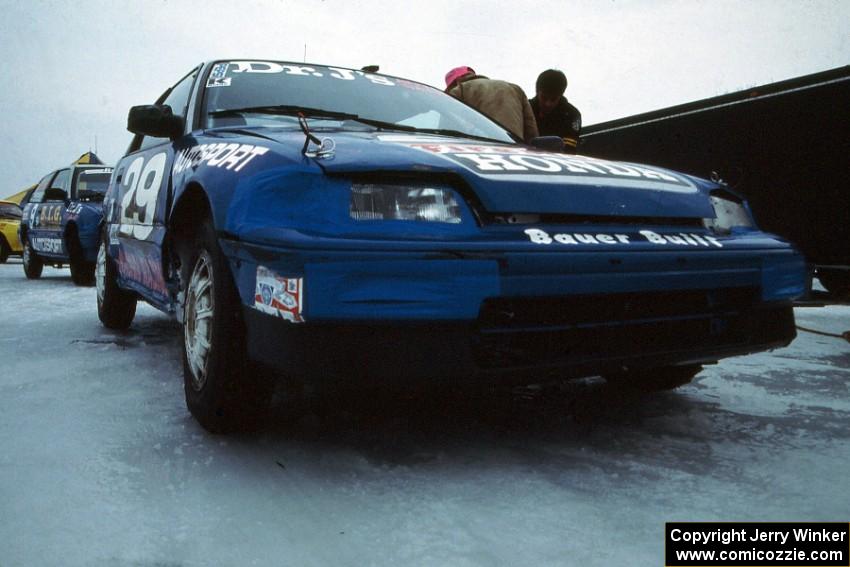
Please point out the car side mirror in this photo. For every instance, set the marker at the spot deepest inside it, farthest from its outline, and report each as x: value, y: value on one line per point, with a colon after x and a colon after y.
x: 90, y: 196
x: 55, y: 194
x: 551, y: 143
x: 156, y: 120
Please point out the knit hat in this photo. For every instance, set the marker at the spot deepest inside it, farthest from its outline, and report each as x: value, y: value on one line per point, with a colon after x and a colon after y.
x: 456, y: 74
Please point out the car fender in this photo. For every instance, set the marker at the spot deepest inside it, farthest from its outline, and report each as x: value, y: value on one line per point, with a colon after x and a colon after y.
x: 86, y: 218
x: 227, y: 189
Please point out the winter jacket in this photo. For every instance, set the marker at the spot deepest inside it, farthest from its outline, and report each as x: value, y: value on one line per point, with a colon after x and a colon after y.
x: 564, y: 121
x: 504, y: 102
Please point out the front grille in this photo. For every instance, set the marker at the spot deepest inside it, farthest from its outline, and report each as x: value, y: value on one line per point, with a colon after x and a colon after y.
x: 591, y: 220
x: 533, y: 331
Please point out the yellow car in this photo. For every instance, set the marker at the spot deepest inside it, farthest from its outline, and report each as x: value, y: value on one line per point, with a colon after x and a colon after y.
x: 10, y: 220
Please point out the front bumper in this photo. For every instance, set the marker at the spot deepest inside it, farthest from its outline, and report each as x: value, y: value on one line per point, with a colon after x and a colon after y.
x: 441, y: 313
x: 404, y: 353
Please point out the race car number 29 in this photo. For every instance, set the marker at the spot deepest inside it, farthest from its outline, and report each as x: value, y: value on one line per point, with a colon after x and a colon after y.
x: 141, y: 184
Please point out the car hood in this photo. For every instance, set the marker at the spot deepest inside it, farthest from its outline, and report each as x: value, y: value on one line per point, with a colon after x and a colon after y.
x: 509, y: 178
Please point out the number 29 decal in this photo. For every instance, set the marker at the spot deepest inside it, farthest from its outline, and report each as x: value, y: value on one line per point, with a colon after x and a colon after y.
x: 141, y: 184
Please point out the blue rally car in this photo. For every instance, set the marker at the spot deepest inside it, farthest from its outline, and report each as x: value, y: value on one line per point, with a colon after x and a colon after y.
x: 62, y: 220
x: 338, y: 226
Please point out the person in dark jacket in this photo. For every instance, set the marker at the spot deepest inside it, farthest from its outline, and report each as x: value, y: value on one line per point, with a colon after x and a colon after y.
x: 555, y: 115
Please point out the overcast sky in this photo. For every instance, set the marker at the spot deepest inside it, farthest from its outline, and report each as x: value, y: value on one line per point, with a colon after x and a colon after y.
x: 73, y: 69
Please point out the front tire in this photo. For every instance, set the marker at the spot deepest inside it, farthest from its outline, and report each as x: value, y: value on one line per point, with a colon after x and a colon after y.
x: 223, y: 391
x: 5, y: 250
x: 33, y: 265
x: 115, y: 306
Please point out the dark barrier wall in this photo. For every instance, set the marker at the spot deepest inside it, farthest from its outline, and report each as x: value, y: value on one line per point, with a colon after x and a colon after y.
x: 785, y: 146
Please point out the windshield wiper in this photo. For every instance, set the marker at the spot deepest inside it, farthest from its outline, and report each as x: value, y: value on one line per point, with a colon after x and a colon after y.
x: 458, y: 134
x: 382, y: 124
x: 306, y: 111
x: 293, y: 110
x: 287, y: 110
x: 438, y: 131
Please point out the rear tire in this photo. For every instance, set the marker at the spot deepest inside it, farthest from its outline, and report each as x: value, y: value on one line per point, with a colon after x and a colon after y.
x: 115, y: 306
x: 655, y: 379
x: 5, y: 250
x: 33, y: 265
x: 223, y: 391
x: 836, y: 282
x: 82, y: 273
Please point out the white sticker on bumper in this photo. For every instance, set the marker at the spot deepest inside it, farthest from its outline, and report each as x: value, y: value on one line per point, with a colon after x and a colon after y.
x: 278, y: 295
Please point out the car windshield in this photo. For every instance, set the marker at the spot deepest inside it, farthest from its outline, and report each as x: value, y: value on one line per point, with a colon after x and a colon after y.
x: 91, y: 184
x: 10, y: 211
x: 268, y: 93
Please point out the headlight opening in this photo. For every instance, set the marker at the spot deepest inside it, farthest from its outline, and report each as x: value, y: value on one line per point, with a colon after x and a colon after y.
x: 730, y: 213
x: 372, y: 201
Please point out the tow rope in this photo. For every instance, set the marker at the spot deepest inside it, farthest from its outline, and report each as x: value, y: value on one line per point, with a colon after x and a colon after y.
x: 845, y: 335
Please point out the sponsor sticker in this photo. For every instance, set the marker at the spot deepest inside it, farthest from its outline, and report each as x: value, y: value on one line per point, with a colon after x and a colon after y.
x: 48, y: 245
x: 143, y: 268
x: 232, y: 157
x: 538, y: 236
x: 518, y: 161
x: 113, y: 235
x: 44, y: 216
x: 217, y: 76
x: 278, y: 295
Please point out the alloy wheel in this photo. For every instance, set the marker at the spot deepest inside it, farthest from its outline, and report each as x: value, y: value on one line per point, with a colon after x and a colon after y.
x: 197, y: 326
x: 100, y: 272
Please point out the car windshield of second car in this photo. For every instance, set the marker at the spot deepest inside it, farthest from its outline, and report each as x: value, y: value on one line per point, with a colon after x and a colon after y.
x: 266, y: 93
x: 91, y: 184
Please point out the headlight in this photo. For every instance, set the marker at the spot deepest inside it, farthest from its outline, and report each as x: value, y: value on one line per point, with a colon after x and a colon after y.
x: 404, y: 202
x: 730, y: 214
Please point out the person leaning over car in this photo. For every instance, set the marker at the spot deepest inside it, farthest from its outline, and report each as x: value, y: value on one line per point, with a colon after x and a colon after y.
x: 554, y: 114
x: 502, y: 101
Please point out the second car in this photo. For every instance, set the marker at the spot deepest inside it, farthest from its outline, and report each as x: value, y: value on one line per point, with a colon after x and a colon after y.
x: 62, y: 220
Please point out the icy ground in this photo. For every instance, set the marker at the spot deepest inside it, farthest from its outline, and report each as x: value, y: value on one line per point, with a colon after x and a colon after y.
x: 100, y: 463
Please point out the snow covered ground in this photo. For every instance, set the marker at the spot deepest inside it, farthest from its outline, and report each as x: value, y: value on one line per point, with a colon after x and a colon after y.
x: 100, y: 463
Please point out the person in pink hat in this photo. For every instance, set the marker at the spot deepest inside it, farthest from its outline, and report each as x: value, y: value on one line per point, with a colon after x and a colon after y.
x: 501, y: 101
